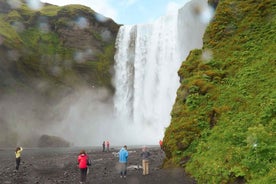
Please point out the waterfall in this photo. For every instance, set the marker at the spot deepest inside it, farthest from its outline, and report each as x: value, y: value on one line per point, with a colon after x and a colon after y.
x: 147, y: 60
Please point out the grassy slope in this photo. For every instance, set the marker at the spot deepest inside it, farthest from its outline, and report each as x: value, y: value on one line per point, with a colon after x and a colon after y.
x: 8, y: 35
x: 43, y: 54
x: 224, y: 118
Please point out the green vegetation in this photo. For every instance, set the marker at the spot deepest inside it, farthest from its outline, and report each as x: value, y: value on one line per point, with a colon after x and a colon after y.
x: 223, y: 127
x: 70, y: 10
x: 46, y: 51
x: 9, y: 34
x: 224, y: 119
x: 104, y: 76
x: 100, y: 69
x: 49, y: 11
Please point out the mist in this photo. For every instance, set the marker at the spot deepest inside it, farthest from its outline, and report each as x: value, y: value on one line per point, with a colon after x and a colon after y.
x: 89, y: 120
x: 84, y: 118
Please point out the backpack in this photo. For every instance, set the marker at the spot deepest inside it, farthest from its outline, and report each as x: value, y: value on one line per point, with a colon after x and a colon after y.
x: 88, y: 162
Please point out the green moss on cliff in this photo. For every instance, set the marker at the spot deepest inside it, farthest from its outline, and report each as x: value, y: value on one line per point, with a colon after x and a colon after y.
x: 49, y: 10
x: 223, y: 121
x: 9, y: 35
x: 46, y: 44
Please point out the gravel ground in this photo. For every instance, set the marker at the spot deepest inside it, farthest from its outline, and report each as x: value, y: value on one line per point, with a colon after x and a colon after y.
x: 59, y: 165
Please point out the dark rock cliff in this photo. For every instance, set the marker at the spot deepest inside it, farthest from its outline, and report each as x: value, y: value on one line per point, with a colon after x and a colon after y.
x: 55, y: 43
x: 47, y: 54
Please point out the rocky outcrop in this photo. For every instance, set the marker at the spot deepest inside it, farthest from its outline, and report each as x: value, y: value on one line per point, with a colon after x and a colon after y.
x: 56, y: 44
x: 52, y: 141
x: 45, y: 55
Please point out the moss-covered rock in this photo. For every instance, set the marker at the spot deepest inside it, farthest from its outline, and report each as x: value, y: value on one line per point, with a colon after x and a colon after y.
x: 223, y: 120
x: 66, y: 46
x: 52, y: 141
x: 50, y: 53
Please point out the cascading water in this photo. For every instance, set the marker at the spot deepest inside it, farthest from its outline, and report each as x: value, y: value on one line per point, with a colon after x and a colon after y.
x: 146, y: 63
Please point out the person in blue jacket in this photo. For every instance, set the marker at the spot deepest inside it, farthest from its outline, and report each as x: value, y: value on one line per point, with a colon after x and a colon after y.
x: 123, y: 157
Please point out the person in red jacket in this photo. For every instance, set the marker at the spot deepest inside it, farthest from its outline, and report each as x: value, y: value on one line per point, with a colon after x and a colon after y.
x: 161, y: 144
x: 83, y: 160
x: 107, y: 146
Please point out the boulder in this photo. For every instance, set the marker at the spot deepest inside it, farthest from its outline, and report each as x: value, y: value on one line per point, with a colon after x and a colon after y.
x: 52, y: 141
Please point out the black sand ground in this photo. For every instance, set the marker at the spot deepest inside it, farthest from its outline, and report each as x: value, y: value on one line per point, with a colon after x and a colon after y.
x: 56, y: 166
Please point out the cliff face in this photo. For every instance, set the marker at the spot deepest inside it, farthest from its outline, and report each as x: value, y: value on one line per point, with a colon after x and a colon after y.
x: 223, y: 120
x: 68, y: 45
x: 45, y: 55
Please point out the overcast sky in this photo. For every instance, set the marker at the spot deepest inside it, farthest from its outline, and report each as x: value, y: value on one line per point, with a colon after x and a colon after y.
x: 127, y: 11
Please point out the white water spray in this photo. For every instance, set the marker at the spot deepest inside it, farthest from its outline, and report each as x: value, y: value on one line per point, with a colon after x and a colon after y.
x: 146, y: 63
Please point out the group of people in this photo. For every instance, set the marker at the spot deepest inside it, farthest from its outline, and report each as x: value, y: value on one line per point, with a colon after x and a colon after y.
x: 123, y: 158
x: 84, y: 161
x: 105, y: 146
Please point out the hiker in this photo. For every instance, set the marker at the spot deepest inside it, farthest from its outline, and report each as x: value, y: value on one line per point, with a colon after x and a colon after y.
x: 145, y: 160
x: 104, y: 146
x: 107, y: 146
x: 18, y: 152
x: 161, y: 144
x: 123, y: 157
x: 83, y: 162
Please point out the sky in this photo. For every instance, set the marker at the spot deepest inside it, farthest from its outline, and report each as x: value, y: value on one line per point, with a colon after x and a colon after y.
x: 127, y: 12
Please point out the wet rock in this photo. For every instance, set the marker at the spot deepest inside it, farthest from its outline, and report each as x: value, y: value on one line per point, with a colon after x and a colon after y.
x: 52, y: 141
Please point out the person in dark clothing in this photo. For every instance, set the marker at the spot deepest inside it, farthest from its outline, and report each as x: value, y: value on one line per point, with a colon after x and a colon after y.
x: 104, y: 146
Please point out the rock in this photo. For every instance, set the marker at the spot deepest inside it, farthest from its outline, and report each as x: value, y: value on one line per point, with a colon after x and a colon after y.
x: 52, y: 141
